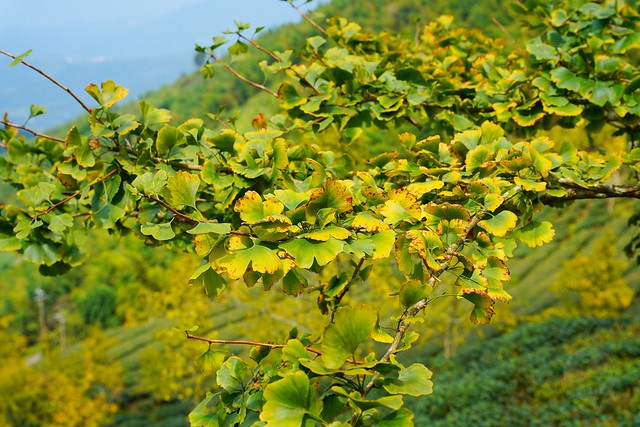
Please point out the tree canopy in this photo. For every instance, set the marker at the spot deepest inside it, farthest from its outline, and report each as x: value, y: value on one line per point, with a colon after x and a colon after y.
x: 283, y: 204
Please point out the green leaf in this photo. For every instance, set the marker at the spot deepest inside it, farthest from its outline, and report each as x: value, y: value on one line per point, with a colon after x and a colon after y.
x: 60, y: 222
x: 151, y: 184
x: 291, y: 199
x: 167, y: 139
x: 182, y: 189
x: 210, y: 361
x: 542, y: 51
x: 42, y: 254
x: 261, y: 259
x: 332, y: 231
x: 305, y: 252
x: 287, y: 401
x: 201, y: 416
x: 332, y: 195
x: 565, y: 79
x: 37, y: 194
x: 82, y: 149
x: 108, y: 94
x: 500, y: 224
x: 224, y: 140
x: 483, y: 309
x: 232, y: 374
x: 19, y: 58
x: 603, y: 94
x: 154, y: 118
x: 477, y: 157
x: 206, y: 277
x: 210, y: 227
x: 253, y: 210
x: 351, y: 326
x: 414, y: 381
x: 412, y: 292
x: 10, y: 244
x: 400, y: 418
x: 158, y: 231
x: 536, y: 233
x: 36, y: 110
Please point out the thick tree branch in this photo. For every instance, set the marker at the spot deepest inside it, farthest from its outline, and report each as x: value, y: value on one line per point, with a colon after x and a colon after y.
x: 598, y: 191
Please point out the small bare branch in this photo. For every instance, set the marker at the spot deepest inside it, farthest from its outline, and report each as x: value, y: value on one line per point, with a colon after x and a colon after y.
x: 31, y: 131
x: 243, y: 342
x: 52, y: 80
x: 308, y: 19
x: 243, y: 78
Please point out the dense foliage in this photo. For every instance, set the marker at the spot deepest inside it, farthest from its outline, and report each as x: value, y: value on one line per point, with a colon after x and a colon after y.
x: 270, y: 207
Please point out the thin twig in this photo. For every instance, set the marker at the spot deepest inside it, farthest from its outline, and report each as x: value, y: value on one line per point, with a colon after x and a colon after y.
x: 504, y: 30
x: 31, y: 131
x: 76, y: 194
x: 243, y: 342
x: 52, y: 80
x: 275, y: 57
x: 344, y: 291
x: 309, y: 20
x: 243, y: 78
x: 173, y: 210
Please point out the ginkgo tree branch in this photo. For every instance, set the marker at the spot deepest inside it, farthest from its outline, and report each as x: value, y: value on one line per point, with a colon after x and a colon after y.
x: 31, y: 131
x: 598, y: 191
x: 51, y: 79
x: 412, y: 311
x: 76, y: 194
x: 243, y: 78
x: 308, y: 19
x: 244, y: 342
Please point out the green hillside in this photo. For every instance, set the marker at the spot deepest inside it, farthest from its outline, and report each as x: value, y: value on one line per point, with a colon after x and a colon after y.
x: 541, y: 362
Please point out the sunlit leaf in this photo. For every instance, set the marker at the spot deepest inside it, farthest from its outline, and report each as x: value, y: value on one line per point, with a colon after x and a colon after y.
x: 352, y: 325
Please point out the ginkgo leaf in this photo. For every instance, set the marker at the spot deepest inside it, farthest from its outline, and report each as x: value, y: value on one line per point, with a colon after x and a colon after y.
x: 291, y: 199
x: 500, y: 224
x: 341, y: 339
x: 287, y: 401
x: 333, y: 231
x: 368, y: 222
x: 158, y: 231
x: 483, y: 307
x: 108, y: 94
x: 182, y: 189
x: 210, y: 227
x: 414, y: 381
x: 536, y: 233
x: 305, y: 252
x: 333, y: 194
x: 401, y: 206
x: 254, y: 210
x: 261, y: 259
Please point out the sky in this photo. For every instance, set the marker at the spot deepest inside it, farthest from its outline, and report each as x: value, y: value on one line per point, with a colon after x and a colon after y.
x: 144, y: 43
